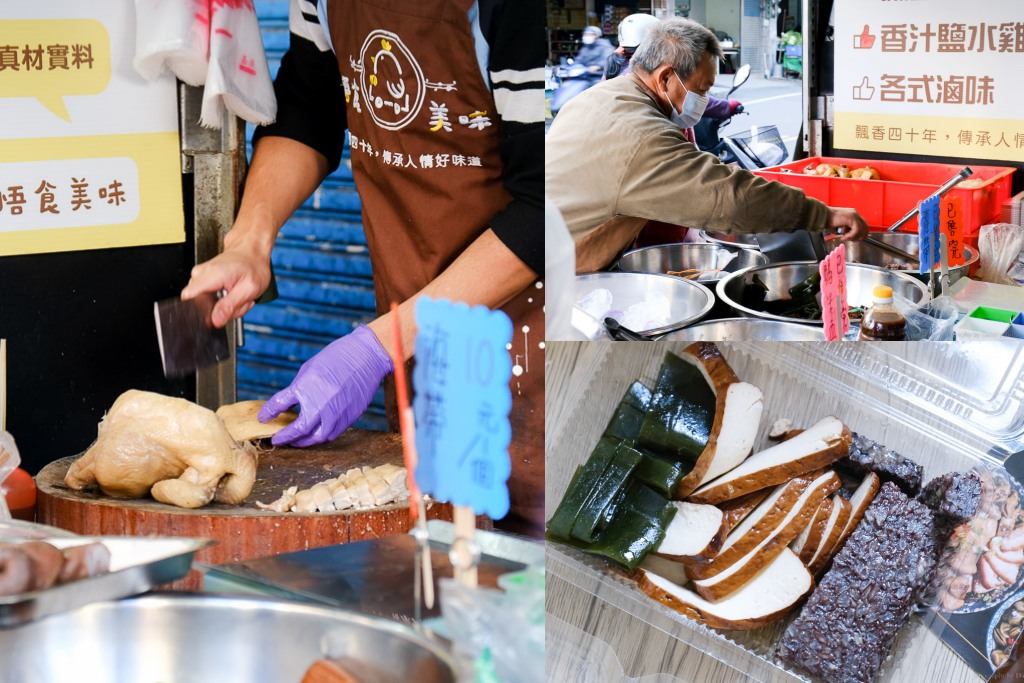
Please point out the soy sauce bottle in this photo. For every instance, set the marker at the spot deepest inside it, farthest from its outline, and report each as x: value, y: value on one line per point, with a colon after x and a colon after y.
x: 882, y: 322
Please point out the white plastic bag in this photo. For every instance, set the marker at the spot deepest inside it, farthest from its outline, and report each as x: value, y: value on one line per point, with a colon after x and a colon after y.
x: 9, y: 461
x: 238, y: 76
x: 172, y: 36
x: 933, y: 320
x: 210, y: 43
x: 1000, y: 245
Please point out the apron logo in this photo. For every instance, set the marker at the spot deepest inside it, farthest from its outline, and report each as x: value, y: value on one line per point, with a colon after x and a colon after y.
x: 390, y: 80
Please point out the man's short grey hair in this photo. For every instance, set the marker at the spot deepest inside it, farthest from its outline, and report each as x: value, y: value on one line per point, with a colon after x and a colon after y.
x: 678, y: 42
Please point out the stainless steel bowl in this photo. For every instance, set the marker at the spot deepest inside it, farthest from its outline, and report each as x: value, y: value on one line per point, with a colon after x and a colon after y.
x: 731, y: 241
x: 186, y: 638
x: 780, y: 277
x: 677, y: 257
x: 747, y: 329
x: 862, y: 252
x: 688, y: 301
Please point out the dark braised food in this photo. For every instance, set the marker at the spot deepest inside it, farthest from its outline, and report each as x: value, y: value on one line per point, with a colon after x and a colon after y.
x: 870, y: 456
x: 847, y: 627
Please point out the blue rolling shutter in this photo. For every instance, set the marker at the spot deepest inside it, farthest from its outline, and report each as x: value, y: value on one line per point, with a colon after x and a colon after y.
x: 322, y: 266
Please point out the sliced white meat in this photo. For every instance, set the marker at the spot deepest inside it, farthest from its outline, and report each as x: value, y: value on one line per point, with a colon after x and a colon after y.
x: 282, y: 504
x: 731, y: 571
x: 817, y: 447
x: 1014, y: 540
x: 859, y: 501
x: 322, y: 497
x: 304, y: 502
x: 1004, y: 570
x: 378, y: 487
x: 1011, y: 556
x: 987, y: 576
x: 806, y: 544
x: 695, y: 532
x: 841, y: 511
x: 768, y: 597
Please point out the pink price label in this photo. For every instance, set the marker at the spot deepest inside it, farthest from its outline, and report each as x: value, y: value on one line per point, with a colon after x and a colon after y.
x: 833, y: 285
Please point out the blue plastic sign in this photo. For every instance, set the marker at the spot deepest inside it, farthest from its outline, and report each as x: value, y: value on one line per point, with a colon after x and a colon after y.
x: 928, y: 230
x: 462, y: 403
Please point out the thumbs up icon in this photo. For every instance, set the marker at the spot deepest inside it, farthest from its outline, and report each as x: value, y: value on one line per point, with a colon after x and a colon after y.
x: 865, y: 40
x: 864, y: 91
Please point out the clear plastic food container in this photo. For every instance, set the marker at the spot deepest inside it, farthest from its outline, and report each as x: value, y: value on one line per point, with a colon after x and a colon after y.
x: 946, y: 406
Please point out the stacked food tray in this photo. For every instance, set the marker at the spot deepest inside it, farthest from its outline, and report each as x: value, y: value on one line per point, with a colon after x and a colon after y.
x: 948, y: 407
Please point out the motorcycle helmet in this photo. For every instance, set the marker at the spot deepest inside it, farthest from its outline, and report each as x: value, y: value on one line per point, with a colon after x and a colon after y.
x: 633, y: 28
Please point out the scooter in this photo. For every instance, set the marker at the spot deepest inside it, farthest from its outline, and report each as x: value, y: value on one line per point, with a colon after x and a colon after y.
x: 574, y: 79
x: 749, y: 150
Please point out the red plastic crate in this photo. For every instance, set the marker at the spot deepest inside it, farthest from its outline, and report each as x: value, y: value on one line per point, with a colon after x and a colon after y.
x: 901, y: 186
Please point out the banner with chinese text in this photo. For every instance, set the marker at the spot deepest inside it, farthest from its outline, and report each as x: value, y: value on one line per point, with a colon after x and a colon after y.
x: 930, y: 77
x: 89, y: 151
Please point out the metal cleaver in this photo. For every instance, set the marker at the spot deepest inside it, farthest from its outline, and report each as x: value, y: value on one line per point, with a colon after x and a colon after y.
x: 799, y: 245
x: 188, y: 339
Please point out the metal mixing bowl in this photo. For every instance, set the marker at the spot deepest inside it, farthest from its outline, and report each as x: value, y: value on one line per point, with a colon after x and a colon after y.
x: 731, y: 241
x: 677, y: 257
x: 186, y: 638
x: 747, y: 329
x: 862, y: 252
x: 780, y: 277
x: 688, y: 301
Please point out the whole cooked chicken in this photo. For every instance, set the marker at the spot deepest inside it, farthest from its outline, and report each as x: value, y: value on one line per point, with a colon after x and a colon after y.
x: 178, y: 451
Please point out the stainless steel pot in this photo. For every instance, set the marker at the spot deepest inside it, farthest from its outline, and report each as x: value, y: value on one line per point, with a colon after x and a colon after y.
x: 731, y: 241
x: 747, y: 329
x: 192, y: 638
x: 688, y: 301
x: 862, y: 252
x: 702, y: 257
x: 780, y: 277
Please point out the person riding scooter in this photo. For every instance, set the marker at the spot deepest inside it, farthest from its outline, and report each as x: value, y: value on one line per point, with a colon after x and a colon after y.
x: 584, y: 71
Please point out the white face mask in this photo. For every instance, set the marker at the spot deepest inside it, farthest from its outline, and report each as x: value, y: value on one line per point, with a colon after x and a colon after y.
x: 589, y: 38
x: 693, y: 108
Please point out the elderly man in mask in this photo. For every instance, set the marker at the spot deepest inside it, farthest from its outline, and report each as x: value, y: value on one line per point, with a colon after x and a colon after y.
x: 618, y: 156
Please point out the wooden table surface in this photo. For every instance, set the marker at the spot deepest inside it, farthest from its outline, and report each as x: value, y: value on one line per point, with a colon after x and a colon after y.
x: 590, y: 636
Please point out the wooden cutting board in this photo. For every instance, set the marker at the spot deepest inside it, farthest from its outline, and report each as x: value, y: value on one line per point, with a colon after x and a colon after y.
x: 243, y: 531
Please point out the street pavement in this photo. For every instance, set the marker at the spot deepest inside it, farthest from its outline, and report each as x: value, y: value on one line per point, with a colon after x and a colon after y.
x: 776, y: 101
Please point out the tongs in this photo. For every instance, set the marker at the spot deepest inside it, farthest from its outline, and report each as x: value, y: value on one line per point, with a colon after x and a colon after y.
x: 964, y: 173
x: 620, y: 333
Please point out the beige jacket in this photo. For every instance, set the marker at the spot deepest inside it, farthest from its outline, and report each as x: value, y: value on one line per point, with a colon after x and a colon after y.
x: 614, y: 161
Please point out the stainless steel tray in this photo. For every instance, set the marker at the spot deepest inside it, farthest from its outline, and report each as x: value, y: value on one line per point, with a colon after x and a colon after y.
x: 137, y: 564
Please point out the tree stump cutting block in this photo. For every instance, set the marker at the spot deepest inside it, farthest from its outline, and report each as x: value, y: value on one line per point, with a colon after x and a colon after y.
x: 243, y: 532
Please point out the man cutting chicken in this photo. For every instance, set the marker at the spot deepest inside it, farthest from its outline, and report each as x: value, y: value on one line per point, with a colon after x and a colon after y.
x: 617, y: 156
x: 443, y: 104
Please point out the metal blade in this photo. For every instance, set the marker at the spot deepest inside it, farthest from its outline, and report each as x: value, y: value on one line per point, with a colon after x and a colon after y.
x: 188, y: 340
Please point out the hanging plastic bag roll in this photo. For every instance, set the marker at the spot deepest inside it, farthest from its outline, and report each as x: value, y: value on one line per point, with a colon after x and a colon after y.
x: 999, y: 246
x: 238, y: 76
x: 934, y: 320
x: 172, y: 37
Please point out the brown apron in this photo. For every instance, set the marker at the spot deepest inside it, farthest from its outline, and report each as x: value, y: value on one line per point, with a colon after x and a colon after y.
x: 424, y: 140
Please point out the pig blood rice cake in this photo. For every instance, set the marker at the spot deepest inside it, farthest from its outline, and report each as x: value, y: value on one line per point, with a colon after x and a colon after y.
x: 870, y: 456
x: 847, y: 627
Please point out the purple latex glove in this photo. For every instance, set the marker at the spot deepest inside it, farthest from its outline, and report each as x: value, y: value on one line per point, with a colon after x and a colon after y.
x: 332, y: 389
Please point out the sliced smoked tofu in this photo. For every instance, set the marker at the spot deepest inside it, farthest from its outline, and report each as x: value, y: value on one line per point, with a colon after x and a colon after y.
x: 769, y: 596
x: 763, y: 536
x: 817, y: 447
x: 834, y: 528
x: 695, y: 533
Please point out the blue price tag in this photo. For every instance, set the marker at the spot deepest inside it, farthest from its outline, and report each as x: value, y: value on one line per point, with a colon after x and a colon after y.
x: 462, y: 403
x: 928, y: 231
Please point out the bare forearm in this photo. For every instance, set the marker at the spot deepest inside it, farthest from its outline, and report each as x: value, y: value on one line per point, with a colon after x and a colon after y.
x: 487, y: 273
x: 283, y: 174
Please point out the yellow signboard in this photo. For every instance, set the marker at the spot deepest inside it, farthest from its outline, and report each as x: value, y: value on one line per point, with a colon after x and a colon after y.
x: 928, y: 78
x: 89, y: 151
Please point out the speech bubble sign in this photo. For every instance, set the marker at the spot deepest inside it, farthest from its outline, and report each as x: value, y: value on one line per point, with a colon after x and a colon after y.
x: 49, y: 59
